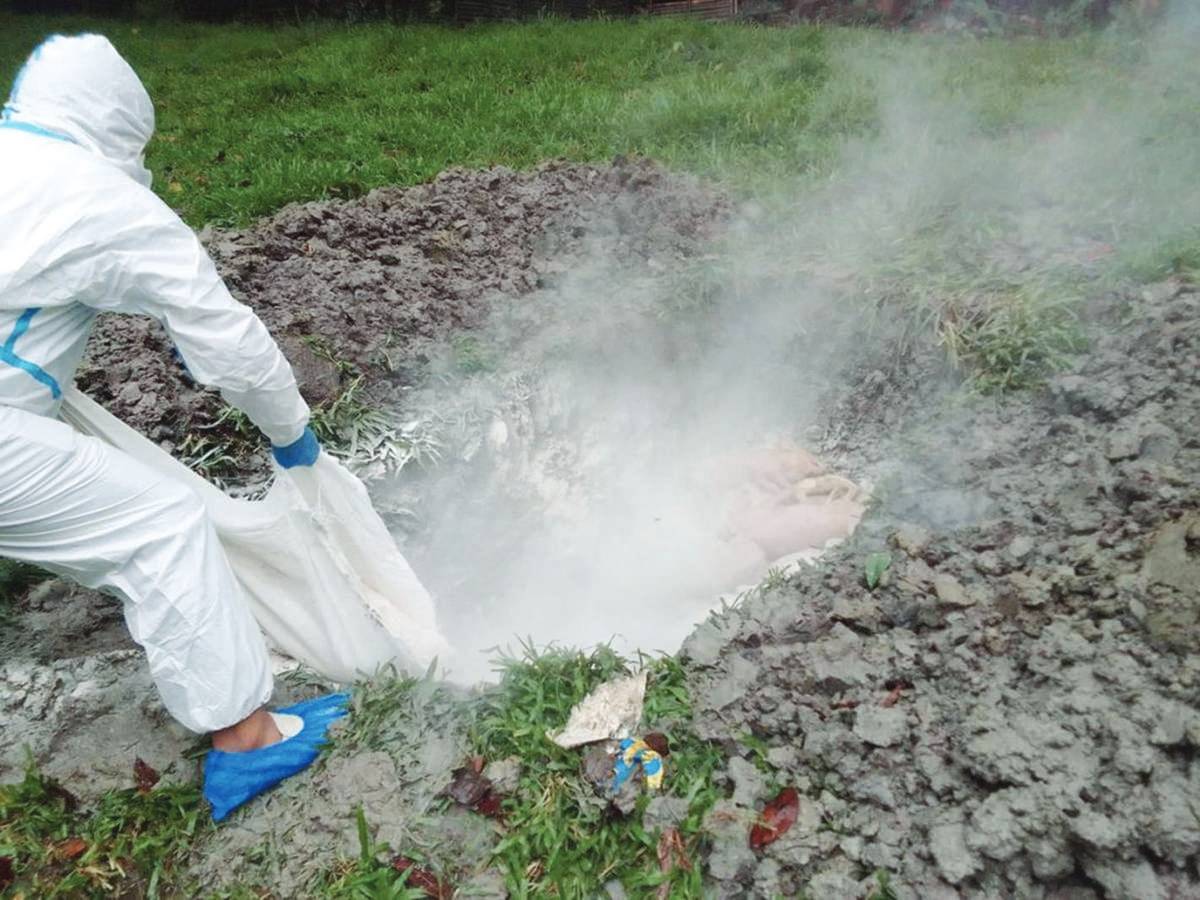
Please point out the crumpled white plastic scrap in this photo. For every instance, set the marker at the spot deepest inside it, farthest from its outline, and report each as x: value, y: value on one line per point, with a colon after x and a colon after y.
x: 611, y: 711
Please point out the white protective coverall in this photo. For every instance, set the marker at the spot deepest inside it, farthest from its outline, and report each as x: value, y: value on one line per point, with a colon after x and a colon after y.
x: 84, y: 234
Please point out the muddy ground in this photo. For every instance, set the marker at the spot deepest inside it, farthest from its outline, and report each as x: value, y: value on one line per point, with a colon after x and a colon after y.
x: 1013, y: 712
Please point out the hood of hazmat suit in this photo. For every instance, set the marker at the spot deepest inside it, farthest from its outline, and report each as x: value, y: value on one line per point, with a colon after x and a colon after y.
x: 81, y: 89
x: 84, y: 234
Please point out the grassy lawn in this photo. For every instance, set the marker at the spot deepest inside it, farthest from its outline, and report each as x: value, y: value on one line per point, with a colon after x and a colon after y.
x: 251, y: 117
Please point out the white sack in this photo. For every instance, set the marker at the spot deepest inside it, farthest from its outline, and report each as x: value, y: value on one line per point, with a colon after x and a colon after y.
x: 320, y: 571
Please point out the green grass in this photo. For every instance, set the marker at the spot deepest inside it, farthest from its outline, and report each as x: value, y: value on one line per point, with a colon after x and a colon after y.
x: 127, y: 844
x: 250, y: 118
x: 883, y: 887
x: 365, y: 877
x: 16, y: 578
x: 560, y: 839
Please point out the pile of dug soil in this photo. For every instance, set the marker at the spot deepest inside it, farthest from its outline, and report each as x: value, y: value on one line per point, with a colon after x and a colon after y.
x: 1015, y: 711
x: 371, y: 284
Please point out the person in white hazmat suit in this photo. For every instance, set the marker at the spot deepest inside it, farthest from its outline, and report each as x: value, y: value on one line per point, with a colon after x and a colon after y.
x: 83, y: 234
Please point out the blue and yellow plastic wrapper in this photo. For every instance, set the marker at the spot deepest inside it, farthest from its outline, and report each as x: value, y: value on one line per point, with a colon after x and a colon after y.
x: 632, y: 753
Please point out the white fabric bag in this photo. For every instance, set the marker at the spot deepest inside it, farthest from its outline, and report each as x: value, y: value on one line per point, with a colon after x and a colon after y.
x: 320, y: 572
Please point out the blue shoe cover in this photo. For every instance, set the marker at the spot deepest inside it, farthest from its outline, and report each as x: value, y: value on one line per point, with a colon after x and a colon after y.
x: 231, y: 779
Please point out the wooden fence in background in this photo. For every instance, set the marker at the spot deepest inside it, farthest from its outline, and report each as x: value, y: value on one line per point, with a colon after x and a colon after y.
x: 508, y: 10
x: 700, y: 9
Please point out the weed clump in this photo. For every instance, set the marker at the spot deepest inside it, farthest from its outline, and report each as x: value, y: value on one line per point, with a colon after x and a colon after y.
x: 129, y: 844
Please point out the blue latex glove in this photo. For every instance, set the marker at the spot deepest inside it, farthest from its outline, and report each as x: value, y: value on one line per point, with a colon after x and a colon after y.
x: 301, y: 452
x: 231, y: 779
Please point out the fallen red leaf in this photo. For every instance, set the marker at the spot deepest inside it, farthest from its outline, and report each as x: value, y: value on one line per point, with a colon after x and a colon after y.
x: 844, y: 704
x: 422, y: 879
x: 7, y: 875
x: 777, y: 817
x: 72, y: 848
x: 144, y: 775
x: 490, y: 805
x: 893, y: 697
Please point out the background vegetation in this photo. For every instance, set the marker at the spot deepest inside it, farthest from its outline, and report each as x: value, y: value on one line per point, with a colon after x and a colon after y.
x: 253, y: 117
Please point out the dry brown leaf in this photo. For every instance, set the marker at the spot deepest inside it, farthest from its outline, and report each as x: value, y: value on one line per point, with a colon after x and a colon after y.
x: 145, y: 776
x: 72, y: 848
x: 671, y: 855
